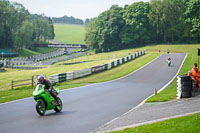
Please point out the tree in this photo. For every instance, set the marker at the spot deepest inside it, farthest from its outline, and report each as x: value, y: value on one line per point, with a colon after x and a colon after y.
x: 12, y: 16
x: 174, y: 13
x: 158, y: 18
x: 91, y: 35
x: 192, y: 15
x: 137, y: 25
x: 103, y: 34
x: 18, y: 28
x: 52, y: 34
x: 23, y: 36
x: 43, y: 28
x: 87, y: 20
x: 67, y: 20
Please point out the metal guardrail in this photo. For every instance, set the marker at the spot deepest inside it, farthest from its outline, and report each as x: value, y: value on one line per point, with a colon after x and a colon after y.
x: 22, y: 67
x: 84, y: 72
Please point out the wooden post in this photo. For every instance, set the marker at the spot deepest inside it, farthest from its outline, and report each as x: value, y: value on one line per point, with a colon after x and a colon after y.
x: 12, y: 85
x: 32, y: 80
x: 155, y: 91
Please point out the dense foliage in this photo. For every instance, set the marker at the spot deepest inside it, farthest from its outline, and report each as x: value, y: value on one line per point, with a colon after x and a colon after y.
x: 157, y: 21
x: 19, y: 29
x: 67, y: 20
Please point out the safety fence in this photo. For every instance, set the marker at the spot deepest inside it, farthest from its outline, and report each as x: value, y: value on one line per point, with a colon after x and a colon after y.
x: 31, y: 81
x: 84, y: 72
x: 22, y: 82
x: 32, y: 59
x: 23, y: 67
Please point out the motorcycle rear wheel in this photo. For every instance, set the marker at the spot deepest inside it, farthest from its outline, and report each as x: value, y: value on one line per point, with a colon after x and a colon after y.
x: 59, y: 107
x: 41, y: 108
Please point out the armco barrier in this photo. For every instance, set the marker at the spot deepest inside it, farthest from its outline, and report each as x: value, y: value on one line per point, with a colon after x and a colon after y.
x: 81, y: 73
x: 69, y: 75
x: 97, y: 69
x: 129, y: 57
x: 136, y: 55
x: 54, y: 78
x: 118, y: 62
x: 139, y: 53
x: 112, y: 64
x: 125, y: 59
x: 106, y: 66
x: 115, y: 63
x: 109, y: 65
x: 133, y: 56
x: 62, y: 77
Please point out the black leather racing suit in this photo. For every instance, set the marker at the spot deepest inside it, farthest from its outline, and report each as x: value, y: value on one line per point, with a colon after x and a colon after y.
x: 49, y: 88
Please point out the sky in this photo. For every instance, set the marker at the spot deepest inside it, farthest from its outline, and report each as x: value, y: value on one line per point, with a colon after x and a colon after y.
x: 81, y: 9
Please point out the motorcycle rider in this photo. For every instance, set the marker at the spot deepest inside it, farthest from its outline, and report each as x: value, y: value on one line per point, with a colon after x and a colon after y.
x: 168, y: 51
x: 169, y: 61
x: 48, y: 86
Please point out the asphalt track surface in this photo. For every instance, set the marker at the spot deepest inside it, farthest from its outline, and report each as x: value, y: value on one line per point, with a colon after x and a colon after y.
x: 87, y: 108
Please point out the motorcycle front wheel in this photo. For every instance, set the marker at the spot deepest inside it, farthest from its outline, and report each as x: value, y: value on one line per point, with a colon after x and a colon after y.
x: 41, y: 108
x: 58, y: 108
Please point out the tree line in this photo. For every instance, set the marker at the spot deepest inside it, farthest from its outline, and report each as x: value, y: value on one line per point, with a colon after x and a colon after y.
x: 157, y: 21
x: 71, y: 20
x: 67, y: 20
x: 20, y: 29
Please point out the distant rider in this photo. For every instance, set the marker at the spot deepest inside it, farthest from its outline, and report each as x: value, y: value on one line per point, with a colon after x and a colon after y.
x: 48, y: 86
x: 168, y: 51
x: 169, y: 61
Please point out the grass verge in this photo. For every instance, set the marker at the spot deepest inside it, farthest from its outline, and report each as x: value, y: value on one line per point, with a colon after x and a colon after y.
x: 187, y: 124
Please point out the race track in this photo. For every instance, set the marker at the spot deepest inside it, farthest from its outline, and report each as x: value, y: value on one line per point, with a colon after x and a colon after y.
x: 87, y: 108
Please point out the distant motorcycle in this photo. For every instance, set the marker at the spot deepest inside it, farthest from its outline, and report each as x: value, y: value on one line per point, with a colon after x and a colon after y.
x: 45, y: 101
x: 169, y: 61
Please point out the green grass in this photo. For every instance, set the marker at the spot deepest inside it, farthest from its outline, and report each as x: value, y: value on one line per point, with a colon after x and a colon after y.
x: 187, y: 124
x: 69, y: 33
x: 27, y: 52
x: 45, y: 50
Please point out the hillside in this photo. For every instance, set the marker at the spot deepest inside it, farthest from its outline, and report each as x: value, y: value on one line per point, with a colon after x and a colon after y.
x: 69, y: 33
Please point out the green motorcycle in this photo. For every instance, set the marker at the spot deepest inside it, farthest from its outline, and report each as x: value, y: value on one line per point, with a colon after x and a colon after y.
x: 45, y: 101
